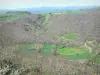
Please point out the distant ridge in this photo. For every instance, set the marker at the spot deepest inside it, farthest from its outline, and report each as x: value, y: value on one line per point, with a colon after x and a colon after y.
x: 50, y: 9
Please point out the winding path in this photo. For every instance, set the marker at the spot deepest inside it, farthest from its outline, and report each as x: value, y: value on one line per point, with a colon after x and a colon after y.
x: 89, y: 48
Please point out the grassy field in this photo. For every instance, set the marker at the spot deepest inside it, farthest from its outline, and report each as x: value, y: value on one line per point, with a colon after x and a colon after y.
x: 68, y: 37
x: 11, y: 16
x: 71, y: 36
x: 72, y: 53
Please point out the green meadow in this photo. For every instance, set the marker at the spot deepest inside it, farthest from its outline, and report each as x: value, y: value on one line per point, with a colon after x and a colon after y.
x: 70, y: 36
x: 72, y: 53
x: 12, y: 16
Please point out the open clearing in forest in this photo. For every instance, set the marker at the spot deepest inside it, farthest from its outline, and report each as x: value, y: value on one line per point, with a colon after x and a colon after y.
x: 72, y: 53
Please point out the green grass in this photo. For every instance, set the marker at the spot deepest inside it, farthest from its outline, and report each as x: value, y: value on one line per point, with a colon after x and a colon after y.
x: 75, y: 53
x: 47, y: 48
x: 70, y: 52
x: 71, y: 36
x: 11, y: 16
x: 28, y: 48
x: 67, y: 37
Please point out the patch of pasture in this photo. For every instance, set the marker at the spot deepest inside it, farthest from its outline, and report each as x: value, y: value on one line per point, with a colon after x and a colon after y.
x: 75, y: 53
x: 47, y: 48
x: 72, y: 53
x: 67, y: 37
x: 70, y: 36
x: 11, y: 16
